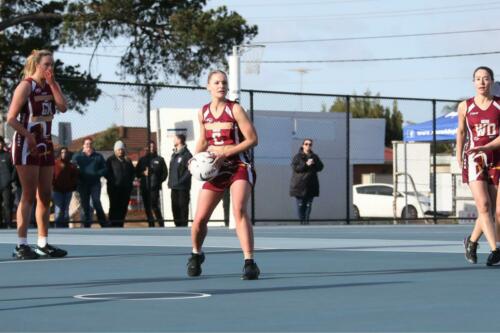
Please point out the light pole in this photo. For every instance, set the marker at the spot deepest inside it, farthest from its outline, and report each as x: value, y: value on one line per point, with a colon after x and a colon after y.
x: 302, y: 72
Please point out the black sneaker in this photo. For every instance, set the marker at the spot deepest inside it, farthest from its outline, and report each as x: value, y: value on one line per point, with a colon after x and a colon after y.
x: 493, y: 258
x: 194, y: 264
x: 250, y: 271
x: 25, y: 252
x: 470, y: 250
x: 50, y: 251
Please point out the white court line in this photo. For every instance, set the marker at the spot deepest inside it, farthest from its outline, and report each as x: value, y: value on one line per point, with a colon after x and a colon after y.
x: 96, y: 296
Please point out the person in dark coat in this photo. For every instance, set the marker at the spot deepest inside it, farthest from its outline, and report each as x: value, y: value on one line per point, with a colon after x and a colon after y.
x: 92, y: 167
x: 179, y: 181
x: 304, y: 185
x: 64, y: 183
x: 152, y: 171
x: 6, y: 179
x: 120, y: 177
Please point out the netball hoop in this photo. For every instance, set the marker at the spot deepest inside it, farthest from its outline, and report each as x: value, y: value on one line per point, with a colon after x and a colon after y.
x: 251, y: 55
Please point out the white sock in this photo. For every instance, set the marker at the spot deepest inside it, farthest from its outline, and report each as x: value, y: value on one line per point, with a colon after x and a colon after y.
x: 22, y: 241
x: 42, y: 241
x: 196, y: 251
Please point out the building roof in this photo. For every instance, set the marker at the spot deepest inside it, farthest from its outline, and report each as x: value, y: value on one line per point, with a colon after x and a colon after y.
x: 135, y: 139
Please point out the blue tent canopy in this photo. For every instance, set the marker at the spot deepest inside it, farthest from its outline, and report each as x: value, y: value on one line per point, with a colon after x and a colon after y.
x: 446, y: 129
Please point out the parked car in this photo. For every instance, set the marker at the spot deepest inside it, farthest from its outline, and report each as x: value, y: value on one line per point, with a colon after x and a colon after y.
x: 376, y: 200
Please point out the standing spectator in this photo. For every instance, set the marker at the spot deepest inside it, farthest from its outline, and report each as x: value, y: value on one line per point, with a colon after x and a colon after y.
x: 152, y: 171
x: 92, y: 167
x: 179, y: 181
x: 305, y: 184
x: 120, y: 177
x: 6, y: 178
x: 64, y: 183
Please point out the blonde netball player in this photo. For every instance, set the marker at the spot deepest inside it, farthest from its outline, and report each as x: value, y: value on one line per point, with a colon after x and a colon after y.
x: 30, y: 114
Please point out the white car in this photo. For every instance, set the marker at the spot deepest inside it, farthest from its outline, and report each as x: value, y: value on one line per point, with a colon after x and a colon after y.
x: 376, y: 200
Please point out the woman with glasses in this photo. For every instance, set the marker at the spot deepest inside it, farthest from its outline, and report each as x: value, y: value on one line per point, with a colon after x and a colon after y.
x: 304, y: 185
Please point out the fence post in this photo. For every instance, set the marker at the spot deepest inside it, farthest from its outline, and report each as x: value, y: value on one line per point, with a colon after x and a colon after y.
x: 148, y: 158
x: 252, y: 161
x: 434, y: 168
x: 348, y: 161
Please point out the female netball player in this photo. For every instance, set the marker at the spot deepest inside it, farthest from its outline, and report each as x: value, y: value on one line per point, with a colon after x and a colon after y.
x: 30, y: 114
x: 227, y: 132
x: 480, y: 117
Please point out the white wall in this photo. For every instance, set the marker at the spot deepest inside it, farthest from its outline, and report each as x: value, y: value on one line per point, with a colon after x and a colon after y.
x: 280, y: 136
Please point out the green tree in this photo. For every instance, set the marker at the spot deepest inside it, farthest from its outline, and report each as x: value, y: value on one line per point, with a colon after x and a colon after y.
x: 166, y: 39
x: 106, y: 140
x: 371, y: 107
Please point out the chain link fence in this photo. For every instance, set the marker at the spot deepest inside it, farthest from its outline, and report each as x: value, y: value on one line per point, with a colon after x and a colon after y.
x: 370, y: 173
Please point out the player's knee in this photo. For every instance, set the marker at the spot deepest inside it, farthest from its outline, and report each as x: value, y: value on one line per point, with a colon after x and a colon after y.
x: 483, y: 207
x: 239, y: 213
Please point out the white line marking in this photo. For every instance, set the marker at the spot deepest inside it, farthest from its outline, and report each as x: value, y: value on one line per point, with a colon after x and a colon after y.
x: 107, y: 297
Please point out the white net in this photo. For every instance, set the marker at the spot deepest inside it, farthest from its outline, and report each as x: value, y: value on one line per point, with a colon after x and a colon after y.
x: 251, y: 57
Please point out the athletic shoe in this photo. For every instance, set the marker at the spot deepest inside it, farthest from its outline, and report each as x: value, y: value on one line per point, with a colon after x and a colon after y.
x: 250, y: 271
x: 470, y: 250
x: 194, y: 264
x: 49, y: 251
x: 25, y: 252
x: 493, y: 258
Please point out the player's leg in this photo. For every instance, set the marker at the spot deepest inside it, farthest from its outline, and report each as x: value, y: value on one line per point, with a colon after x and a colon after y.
x: 480, y: 193
x: 44, y: 193
x: 240, y: 194
x: 207, y: 201
x: 28, y: 177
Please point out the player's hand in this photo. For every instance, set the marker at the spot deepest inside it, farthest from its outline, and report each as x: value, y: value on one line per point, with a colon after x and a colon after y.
x: 32, y: 144
x: 477, y: 150
x: 49, y: 77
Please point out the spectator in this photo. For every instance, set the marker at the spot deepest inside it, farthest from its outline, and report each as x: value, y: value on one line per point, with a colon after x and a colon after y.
x: 64, y: 183
x: 152, y: 171
x: 120, y: 177
x: 305, y: 184
x: 6, y: 179
x: 92, y: 167
x: 179, y: 181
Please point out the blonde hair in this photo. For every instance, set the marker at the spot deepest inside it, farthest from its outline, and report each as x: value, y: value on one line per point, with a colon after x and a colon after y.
x: 34, y: 59
x: 216, y: 71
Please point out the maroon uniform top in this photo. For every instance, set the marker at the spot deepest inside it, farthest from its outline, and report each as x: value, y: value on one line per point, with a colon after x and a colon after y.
x: 36, y: 116
x: 223, y: 130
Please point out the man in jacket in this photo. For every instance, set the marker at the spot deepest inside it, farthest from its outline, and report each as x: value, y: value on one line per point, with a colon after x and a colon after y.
x: 92, y: 167
x: 120, y: 177
x: 304, y: 185
x: 179, y: 181
x: 6, y: 178
x: 152, y: 171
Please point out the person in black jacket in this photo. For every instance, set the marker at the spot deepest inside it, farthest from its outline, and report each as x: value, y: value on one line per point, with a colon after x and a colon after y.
x: 6, y: 178
x: 120, y: 177
x: 152, y: 171
x: 179, y: 181
x: 305, y: 184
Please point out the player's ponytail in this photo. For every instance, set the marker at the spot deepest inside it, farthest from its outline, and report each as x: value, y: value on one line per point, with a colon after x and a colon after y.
x: 34, y: 59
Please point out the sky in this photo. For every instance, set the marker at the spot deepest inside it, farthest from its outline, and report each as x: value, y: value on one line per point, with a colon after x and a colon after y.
x: 443, y: 28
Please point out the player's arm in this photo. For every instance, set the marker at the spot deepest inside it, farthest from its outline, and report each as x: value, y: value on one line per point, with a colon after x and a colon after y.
x: 462, y: 107
x: 202, y: 143
x: 59, y: 98
x: 21, y: 95
x: 247, y: 129
x: 493, y: 145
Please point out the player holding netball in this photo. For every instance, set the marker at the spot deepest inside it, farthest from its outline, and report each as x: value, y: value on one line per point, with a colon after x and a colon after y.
x: 480, y: 117
x: 30, y: 114
x: 227, y: 132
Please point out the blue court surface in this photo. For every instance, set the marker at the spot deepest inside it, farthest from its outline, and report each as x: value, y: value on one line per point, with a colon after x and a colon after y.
x: 314, y: 279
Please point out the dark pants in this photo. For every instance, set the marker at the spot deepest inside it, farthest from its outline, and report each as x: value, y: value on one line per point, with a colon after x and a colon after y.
x: 180, y: 207
x: 304, y: 205
x: 151, y: 200
x: 87, y: 192
x: 118, y: 205
x: 61, y: 202
x: 6, y: 204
